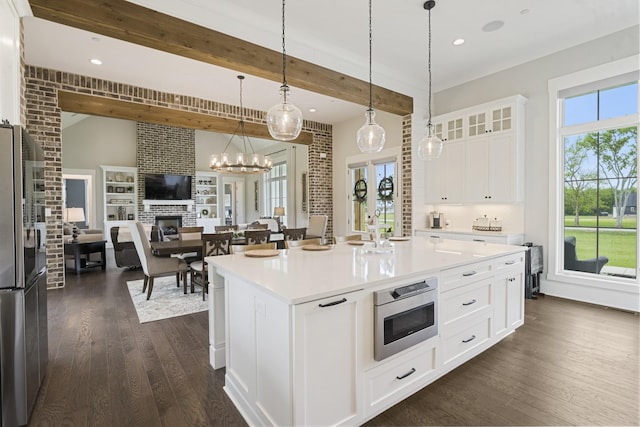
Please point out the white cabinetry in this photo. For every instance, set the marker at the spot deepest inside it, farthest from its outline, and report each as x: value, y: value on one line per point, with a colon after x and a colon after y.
x: 486, y: 164
x: 326, y: 337
x: 293, y: 366
x: 508, y: 298
x: 120, y: 195
x: 466, y: 312
x: 445, y: 176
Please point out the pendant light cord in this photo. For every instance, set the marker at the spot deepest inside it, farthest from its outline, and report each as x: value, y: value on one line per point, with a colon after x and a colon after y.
x: 284, y: 57
x: 429, y: 67
x: 370, y: 54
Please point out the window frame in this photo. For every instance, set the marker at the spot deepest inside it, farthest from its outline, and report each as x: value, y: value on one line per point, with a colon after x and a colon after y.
x: 609, y: 71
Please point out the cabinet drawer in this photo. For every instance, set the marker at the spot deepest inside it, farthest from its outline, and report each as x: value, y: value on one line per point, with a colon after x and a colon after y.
x: 510, y: 261
x: 465, y: 301
x: 461, y: 276
x: 460, y: 345
x: 391, y: 381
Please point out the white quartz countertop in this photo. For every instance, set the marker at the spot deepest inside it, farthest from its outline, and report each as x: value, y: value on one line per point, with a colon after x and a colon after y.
x: 299, y: 276
x: 467, y: 231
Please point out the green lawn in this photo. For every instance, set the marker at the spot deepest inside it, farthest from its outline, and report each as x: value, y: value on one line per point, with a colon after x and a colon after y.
x: 619, y: 247
x: 629, y: 221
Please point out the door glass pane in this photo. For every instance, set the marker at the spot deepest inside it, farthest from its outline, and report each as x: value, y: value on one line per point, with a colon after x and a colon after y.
x: 385, y: 195
x: 360, y: 190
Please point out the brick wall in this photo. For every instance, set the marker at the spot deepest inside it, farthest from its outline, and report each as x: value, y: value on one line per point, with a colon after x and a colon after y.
x: 407, y: 201
x: 42, y: 119
x: 165, y: 149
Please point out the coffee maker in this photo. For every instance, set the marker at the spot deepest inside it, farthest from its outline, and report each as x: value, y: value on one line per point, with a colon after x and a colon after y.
x: 436, y: 219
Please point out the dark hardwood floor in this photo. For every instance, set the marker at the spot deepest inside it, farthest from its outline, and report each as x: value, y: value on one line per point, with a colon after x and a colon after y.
x: 570, y: 364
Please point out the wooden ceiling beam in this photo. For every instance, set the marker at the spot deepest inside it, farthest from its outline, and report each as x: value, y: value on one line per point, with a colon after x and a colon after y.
x: 126, y: 21
x: 109, y: 107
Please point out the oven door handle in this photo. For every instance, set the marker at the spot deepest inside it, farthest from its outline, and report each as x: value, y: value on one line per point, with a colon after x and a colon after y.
x: 329, y: 304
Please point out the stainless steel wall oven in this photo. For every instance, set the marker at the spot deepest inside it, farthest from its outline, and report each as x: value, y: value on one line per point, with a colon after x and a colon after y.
x: 404, y: 316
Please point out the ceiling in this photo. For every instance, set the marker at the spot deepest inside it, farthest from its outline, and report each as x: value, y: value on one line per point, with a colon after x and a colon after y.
x: 334, y: 34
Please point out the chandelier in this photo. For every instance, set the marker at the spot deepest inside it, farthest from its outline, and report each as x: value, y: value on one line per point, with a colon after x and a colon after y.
x: 371, y: 136
x: 244, y: 162
x: 284, y: 119
x: 430, y: 146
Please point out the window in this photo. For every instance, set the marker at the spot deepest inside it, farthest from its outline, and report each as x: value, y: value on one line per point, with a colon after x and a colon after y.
x: 597, y: 178
x: 275, y: 183
x: 376, y: 196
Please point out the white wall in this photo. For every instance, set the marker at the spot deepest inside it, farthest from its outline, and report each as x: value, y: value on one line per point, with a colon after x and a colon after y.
x: 531, y: 80
x: 344, y: 146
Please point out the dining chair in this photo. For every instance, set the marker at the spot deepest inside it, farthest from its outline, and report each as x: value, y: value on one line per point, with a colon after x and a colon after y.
x: 223, y: 228
x: 288, y: 244
x: 237, y: 249
x: 213, y: 244
x: 190, y: 233
x: 337, y: 239
x: 154, y: 266
x: 256, y: 237
x: 317, y: 226
x: 294, y: 233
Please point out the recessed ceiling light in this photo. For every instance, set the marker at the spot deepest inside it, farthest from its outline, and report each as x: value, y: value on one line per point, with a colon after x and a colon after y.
x: 96, y: 61
x: 458, y: 42
x: 492, y: 26
x: 312, y: 110
x: 95, y: 39
x: 524, y: 11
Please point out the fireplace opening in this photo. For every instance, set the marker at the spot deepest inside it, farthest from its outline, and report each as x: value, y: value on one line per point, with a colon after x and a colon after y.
x: 169, y: 224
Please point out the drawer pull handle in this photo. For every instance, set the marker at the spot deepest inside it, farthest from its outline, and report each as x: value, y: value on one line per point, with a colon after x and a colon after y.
x: 469, y: 273
x: 478, y: 240
x: 510, y: 262
x: 473, y: 301
x: 329, y: 304
x: 473, y: 337
x: 401, y: 377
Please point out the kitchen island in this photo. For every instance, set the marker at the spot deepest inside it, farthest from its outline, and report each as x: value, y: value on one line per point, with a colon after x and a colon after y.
x: 296, y: 331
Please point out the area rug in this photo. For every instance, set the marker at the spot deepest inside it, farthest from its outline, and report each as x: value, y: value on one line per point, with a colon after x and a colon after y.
x: 166, y: 301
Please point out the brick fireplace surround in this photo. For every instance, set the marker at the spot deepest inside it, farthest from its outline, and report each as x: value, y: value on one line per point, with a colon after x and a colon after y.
x: 41, y: 116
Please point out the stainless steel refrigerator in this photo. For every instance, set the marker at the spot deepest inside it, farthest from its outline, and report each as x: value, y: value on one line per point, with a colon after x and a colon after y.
x: 23, y: 288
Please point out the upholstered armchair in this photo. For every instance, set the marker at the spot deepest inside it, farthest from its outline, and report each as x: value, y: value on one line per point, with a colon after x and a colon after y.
x: 124, y: 250
x: 571, y: 261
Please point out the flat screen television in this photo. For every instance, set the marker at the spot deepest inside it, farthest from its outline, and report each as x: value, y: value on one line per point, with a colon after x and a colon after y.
x: 162, y: 186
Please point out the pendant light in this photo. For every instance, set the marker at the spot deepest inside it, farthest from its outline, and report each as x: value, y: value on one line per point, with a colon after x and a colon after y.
x: 284, y: 119
x: 430, y: 147
x: 243, y: 162
x: 371, y: 136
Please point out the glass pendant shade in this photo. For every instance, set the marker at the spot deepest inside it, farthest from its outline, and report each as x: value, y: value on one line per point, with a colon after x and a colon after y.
x: 371, y: 136
x: 430, y: 147
x: 284, y: 119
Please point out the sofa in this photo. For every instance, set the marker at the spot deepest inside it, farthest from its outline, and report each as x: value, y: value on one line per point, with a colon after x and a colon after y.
x: 84, y: 234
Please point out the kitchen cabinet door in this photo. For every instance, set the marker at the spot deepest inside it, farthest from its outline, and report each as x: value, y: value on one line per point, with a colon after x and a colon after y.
x: 490, y: 169
x: 446, y: 175
x: 326, y: 337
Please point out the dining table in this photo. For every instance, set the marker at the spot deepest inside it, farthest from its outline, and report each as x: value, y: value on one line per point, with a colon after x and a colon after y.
x: 176, y: 246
